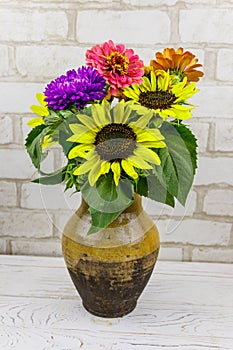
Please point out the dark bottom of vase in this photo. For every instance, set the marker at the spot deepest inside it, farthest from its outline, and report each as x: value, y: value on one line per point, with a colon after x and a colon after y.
x: 120, y: 312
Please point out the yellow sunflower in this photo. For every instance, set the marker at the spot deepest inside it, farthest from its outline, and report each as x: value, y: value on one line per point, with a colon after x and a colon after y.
x: 111, y: 141
x: 158, y: 94
x: 43, y: 111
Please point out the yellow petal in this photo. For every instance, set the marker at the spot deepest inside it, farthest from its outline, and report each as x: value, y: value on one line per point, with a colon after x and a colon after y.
x: 87, y: 137
x: 147, y: 154
x: 153, y: 81
x: 93, y: 174
x: 146, y: 83
x: 35, y: 122
x: 40, y: 110
x: 98, y: 114
x: 40, y: 98
x: 153, y: 144
x: 143, y: 121
x: 118, y: 112
x: 78, y: 129
x: 148, y: 135
x: 116, y: 172
x: 80, y: 151
x: 128, y: 92
x: 87, y: 121
x: 121, y: 113
x: 138, y: 162
x: 105, y: 167
x: 85, y: 167
x: 48, y: 142
x: 107, y: 107
x: 129, y: 169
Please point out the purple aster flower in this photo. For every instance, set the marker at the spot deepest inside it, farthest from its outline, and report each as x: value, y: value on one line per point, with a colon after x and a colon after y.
x: 75, y: 88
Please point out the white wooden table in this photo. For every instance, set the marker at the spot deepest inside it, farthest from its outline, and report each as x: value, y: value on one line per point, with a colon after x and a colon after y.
x: 185, y: 306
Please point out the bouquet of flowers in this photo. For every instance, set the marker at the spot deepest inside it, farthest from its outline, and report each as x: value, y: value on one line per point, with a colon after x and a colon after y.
x: 120, y: 125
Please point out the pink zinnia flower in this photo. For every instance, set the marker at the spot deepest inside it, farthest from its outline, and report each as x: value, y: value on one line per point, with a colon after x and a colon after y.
x: 118, y: 65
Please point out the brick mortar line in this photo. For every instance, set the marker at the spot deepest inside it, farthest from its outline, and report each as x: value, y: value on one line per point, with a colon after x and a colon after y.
x: 60, y: 6
x: 182, y: 5
x: 163, y: 244
x: 193, y: 246
x: 203, y: 216
x: 68, y: 42
x: 220, y: 186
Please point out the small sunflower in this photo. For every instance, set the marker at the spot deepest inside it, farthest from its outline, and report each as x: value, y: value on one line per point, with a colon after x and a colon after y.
x: 180, y: 64
x: 158, y: 94
x: 40, y: 109
x: 43, y: 111
x: 111, y: 141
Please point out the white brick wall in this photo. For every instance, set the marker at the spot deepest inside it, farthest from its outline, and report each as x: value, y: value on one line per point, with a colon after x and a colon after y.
x: 40, y: 39
x: 4, y: 60
x: 214, y: 171
x: 32, y: 25
x: 24, y: 96
x: 55, y: 61
x: 219, y: 202
x: 15, y: 164
x: 213, y: 254
x: 115, y: 22
x: 224, y: 65
x: 6, y: 131
x: 220, y: 95
x: 201, y: 131
x: 194, y: 231
x: 8, y: 194
x: 207, y: 25
x: 34, y: 196
x: 24, y: 223
x: 41, y: 248
x: 224, y: 136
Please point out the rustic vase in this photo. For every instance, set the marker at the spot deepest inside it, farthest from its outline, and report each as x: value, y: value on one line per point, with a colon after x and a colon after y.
x: 111, y: 268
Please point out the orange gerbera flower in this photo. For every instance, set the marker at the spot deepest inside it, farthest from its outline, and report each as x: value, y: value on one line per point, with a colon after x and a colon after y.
x: 180, y: 64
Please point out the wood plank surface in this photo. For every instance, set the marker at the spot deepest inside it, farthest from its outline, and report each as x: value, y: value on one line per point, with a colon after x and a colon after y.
x: 184, y: 306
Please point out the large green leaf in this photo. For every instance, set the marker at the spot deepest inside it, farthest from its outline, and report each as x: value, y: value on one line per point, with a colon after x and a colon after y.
x: 178, y: 159
x: 100, y: 220
x: 152, y: 188
x: 34, y: 144
x: 53, y: 178
x: 190, y: 142
x: 106, y: 201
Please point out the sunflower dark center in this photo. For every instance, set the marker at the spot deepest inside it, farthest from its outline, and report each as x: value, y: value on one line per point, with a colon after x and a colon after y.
x: 118, y: 63
x: 115, y: 141
x: 158, y: 99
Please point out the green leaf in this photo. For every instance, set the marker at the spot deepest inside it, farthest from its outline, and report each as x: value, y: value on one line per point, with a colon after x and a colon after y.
x: 190, y: 142
x: 53, y: 178
x: 106, y: 201
x: 101, y: 220
x: 34, y: 144
x: 152, y: 188
x: 66, y: 145
x: 158, y: 192
x: 141, y: 187
x: 178, y: 160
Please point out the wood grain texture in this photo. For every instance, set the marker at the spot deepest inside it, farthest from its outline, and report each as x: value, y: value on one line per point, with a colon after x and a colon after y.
x: 187, y: 306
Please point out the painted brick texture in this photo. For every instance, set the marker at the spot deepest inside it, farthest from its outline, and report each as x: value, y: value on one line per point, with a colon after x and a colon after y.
x: 40, y: 40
